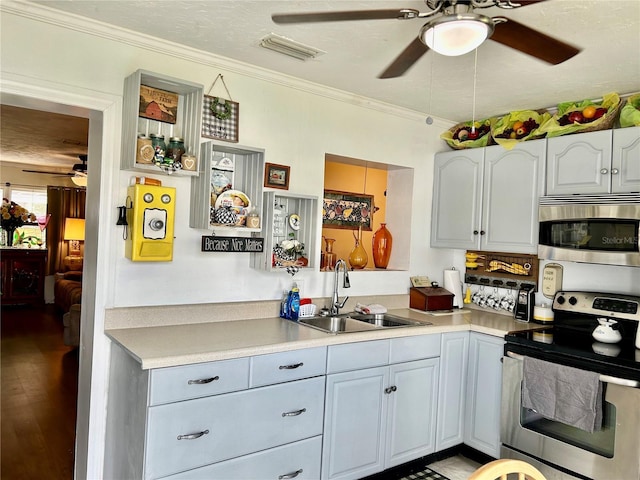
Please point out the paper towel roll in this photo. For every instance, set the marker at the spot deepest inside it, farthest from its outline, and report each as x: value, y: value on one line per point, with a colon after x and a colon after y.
x: 453, y: 284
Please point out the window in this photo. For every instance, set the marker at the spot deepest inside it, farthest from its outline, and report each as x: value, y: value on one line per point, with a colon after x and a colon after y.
x: 34, y: 199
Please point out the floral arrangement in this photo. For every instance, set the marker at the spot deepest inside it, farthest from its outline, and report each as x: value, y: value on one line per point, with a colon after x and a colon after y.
x: 292, y: 247
x: 288, y: 253
x: 13, y: 215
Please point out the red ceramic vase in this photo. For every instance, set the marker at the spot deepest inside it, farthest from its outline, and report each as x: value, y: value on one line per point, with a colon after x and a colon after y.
x: 381, y: 246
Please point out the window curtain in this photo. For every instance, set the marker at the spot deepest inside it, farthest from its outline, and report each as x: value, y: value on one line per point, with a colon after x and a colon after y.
x: 62, y: 202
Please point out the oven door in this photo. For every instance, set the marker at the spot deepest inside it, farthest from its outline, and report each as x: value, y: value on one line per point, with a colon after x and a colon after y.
x: 609, y: 453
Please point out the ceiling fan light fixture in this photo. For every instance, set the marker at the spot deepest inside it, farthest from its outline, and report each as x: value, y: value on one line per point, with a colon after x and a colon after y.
x: 79, y: 180
x: 456, y: 34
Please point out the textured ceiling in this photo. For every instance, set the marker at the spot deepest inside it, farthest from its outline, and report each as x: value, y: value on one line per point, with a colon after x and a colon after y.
x: 608, y: 31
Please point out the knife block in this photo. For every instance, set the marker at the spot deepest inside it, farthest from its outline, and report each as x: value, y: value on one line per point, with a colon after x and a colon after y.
x: 430, y: 298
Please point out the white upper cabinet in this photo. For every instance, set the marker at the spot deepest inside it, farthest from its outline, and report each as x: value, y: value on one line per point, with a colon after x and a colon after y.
x: 607, y: 161
x: 487, y: 199
x: 625, y: 160
x: 457, y: 196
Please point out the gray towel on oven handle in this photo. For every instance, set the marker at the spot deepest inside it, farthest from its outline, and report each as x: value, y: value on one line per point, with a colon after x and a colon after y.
x: 565, y: 394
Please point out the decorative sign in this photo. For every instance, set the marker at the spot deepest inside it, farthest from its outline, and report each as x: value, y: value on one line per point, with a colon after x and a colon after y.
x: 158, y: 104
x: 347, y: 210
x: 220, y: 119
x: 232, y: 244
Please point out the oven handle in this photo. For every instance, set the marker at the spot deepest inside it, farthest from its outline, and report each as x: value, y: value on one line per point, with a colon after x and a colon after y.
x: 603, y: 378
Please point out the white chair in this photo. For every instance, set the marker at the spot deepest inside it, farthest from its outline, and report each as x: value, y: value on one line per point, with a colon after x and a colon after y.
x: 499, y: 469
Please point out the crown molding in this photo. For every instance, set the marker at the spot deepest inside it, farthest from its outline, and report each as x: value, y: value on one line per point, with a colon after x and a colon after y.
x: 44, y: 14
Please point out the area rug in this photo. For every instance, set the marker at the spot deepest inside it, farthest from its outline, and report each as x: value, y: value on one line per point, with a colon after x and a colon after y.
x: 426, y: 474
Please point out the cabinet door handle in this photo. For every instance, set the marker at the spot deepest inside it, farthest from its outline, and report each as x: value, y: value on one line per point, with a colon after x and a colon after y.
x: 290, y: 367
x: 295, y: 413
x: 287, y: 476
x: 614, y: 171
x: 203, y: 381
x: 482, y: 232
x: 192, y: 436
x: 475, y: 232
x: 389, y: 390
x: 604, y: 171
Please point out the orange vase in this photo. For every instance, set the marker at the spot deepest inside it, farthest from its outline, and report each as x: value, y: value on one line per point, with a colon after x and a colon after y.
x: 381, y: 246
x: 358, y: 258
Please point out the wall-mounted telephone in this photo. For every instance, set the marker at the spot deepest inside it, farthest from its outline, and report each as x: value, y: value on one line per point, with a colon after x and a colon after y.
x: 150, y: 215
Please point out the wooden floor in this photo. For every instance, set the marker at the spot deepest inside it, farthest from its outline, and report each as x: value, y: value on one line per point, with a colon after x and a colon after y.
x: 39, y: 391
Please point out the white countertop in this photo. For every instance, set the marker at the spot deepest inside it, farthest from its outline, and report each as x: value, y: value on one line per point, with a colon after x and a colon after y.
x: 172, y: 345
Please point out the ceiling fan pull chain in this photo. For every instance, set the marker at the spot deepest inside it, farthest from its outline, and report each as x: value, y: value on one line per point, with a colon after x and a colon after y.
x: 475, y: 74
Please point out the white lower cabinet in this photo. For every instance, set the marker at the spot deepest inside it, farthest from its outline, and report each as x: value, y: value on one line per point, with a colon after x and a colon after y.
x: 452, y: 390
x: 198, y: 432
x: 484, y: 392
x: 339, y: 412
x: 382, y: 416
x: 299, y: 461
x: 204, y: 420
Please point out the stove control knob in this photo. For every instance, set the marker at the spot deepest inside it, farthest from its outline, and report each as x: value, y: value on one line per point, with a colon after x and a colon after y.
x: 573, y: 300
x: 560, y: 300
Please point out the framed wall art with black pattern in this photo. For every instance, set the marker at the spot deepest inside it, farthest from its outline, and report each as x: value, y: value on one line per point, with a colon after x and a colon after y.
x: 220, y: 119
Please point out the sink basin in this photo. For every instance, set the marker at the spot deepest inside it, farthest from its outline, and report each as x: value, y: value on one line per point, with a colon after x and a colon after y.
x: 336, y: 324
x: 385, y: 320
x: 355, y: 322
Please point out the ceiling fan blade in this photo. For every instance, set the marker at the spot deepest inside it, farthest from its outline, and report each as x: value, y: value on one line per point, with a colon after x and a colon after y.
x: 49, y: 172
x: 405, y: 60
x: 524, y: 3
x: 534, y: 43
x: 311, y: 17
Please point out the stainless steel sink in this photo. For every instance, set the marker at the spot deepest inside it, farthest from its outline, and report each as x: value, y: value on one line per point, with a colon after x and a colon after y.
x: 385, y: 320
x: 356, y: 322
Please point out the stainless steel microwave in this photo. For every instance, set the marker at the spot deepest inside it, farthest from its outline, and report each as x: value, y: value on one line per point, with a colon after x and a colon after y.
x: 590, y: 228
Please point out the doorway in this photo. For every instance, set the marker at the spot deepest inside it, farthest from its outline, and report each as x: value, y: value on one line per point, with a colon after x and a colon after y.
x: 104, y: 114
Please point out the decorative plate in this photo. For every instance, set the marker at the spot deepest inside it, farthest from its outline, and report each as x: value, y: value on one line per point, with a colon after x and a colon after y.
x: 238, y: 201
x: 294, y: 221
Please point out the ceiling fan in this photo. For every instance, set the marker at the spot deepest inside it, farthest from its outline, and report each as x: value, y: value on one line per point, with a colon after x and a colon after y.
x: 78, y: 172
x: 454, y: 28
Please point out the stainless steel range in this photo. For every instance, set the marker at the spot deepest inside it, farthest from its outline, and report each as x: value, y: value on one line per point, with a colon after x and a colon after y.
x: 546, y: 369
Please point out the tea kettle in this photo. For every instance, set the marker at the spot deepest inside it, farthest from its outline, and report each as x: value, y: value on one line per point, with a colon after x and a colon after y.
x: 608, y: 331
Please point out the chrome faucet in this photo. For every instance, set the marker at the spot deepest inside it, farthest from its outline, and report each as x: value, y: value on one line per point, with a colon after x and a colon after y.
x: 336, y: 305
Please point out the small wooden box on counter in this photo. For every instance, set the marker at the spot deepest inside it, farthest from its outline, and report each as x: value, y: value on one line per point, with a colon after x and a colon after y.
x: 430, y: 298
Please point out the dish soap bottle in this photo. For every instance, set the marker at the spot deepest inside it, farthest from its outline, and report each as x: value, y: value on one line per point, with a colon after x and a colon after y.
x: 284, y: 304
x: 294, y: 303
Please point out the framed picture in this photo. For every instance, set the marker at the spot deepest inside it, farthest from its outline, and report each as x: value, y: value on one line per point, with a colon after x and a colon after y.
x: 276, y: 176
x: 158, y: 104
x: 347, y: 210
x: 220, y: 119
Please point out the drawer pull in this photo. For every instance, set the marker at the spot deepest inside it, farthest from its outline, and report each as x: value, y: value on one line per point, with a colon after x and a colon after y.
x: 203, y: 381
x: 287, y: 476
x: 290, y: 367
x: 295, y: 413
x: 389, y: 390
x: 192, y: 436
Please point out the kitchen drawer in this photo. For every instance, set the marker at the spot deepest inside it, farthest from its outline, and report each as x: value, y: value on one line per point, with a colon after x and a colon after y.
x: 287, y: 366
x: 355, y: 356
x: 407, y: 349
x: 186, y: 435
x: 173, y: 384
x: 299, y: 460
